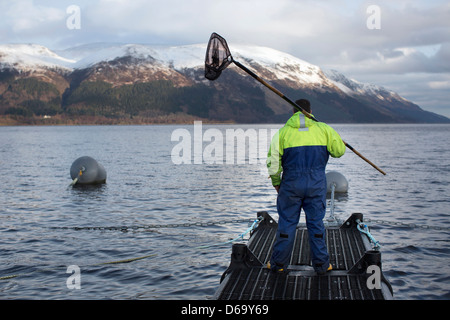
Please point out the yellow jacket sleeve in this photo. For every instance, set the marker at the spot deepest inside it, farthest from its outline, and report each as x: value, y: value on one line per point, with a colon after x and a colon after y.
x: 274, y: 160
x: 335, y: 145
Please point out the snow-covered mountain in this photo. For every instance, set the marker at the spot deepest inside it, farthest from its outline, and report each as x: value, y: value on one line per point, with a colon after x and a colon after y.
x: 355, y: 88
x: 234, y: 96
x: 31, y: 56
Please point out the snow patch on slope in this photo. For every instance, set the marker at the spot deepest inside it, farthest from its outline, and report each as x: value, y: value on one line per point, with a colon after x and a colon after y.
x: 29, y: 56
x: 283, y: 66
x: 177, y: 57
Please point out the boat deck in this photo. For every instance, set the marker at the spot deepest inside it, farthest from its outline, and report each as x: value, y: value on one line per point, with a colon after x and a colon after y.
x: 248, y: 278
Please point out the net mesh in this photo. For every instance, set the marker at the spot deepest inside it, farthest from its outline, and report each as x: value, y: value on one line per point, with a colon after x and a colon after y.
x: 218, y: 57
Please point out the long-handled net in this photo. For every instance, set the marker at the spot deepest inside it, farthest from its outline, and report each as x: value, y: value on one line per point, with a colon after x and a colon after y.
x: 218, y: 58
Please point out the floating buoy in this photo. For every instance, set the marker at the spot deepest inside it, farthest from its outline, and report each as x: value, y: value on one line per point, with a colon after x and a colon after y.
x: 87, y: 170
x: 338, y: 180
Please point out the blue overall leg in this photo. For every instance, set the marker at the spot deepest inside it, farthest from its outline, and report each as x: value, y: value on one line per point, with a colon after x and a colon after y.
x: 289, y: 204
x: 315, y: 212
x: 297, y: 191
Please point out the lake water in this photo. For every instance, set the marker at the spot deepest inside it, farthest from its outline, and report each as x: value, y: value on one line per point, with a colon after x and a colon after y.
x: 160, y: 210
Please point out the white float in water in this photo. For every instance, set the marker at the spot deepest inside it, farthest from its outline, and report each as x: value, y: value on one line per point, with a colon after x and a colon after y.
x: 336, y: 183
x: 87, y: 170
x: 338, y: 180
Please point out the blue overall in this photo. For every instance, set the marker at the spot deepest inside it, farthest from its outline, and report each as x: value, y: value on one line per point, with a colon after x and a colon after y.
x: 302, y: 150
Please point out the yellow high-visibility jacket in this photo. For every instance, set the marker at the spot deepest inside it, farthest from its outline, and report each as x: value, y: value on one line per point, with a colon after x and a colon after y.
x: 302, y: 145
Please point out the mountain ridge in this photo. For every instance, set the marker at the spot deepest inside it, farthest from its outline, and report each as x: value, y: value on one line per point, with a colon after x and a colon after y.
x: 124, y: 81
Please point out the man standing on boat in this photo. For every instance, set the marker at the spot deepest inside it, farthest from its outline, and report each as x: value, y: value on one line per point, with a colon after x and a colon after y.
x: 300, y: 150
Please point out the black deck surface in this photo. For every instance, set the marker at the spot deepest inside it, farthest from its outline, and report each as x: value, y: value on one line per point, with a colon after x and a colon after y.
x: 256, y: 282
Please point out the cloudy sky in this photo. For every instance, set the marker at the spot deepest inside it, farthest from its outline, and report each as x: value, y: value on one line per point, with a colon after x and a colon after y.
x: 402, y: 45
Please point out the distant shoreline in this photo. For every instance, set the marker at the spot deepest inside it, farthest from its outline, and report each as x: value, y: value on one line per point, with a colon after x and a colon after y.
x: 64, y: 120
x: 171, y: 119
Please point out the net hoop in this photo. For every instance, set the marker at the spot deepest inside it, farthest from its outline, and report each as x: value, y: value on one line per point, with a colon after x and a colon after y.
x: 218, y: 57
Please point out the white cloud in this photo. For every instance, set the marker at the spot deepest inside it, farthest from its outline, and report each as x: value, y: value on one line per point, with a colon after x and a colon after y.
x: 25, y: 16
x: 440, y: 85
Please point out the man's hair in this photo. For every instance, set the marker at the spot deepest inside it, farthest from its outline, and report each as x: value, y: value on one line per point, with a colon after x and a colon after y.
x: 304, y: 104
